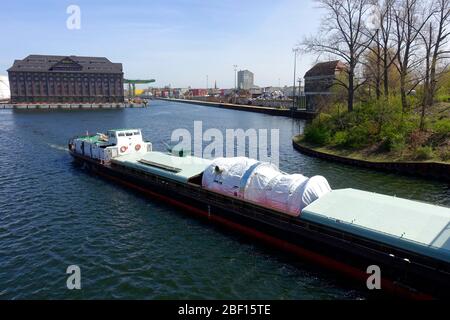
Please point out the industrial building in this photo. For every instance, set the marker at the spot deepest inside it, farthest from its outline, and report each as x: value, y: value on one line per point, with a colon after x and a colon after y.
x: 245, y: 80
x: 319, y: 81
x: 65, y: 79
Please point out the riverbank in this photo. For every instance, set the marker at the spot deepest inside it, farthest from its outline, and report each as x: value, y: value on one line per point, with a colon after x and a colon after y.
x: 66, y: 106
x: 425, y: 169
x: 298, y: 114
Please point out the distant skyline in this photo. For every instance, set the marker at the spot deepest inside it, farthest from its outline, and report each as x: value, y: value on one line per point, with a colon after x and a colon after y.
x: 178, y: 42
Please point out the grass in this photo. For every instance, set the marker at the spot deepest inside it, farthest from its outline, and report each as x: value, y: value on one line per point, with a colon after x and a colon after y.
x: 379, y: 131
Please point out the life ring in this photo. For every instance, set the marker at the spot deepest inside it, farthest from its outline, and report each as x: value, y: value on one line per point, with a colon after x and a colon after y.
x: 123, y: 149
x: 137, y: 147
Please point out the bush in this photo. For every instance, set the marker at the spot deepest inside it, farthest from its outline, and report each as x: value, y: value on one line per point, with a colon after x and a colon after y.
x: 382, y: 126
x: 358, y: 137
x: 317, y: 134
x: 409, y: 124
x: 442, y: 126
x: 394, y: 142
x: 424, y: 153
x: 340, y: 138
x: 445, y: 155
x: 445, y: 97
x: 324, y: 117
x: 395, y: 132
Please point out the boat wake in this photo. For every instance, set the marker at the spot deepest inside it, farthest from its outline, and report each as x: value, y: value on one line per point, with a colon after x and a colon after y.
x: 56, y: 147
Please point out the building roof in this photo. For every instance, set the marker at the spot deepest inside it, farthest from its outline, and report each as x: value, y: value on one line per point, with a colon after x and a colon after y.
x: 410, y: 225
x: 44, y: 63
x: 328, y: 68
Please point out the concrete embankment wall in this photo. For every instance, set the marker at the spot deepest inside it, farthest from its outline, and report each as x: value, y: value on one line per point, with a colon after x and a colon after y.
x: 72, y: 106
x: 267, y: 103
x: 299, y: 114
x: 430, y: 170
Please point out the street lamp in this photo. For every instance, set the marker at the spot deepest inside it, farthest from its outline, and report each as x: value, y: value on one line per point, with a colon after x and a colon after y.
x: 235, y: 76
x: 296, y: 51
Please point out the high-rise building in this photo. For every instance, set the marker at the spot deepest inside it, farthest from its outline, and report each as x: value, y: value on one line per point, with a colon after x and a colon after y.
x: 245, y: 80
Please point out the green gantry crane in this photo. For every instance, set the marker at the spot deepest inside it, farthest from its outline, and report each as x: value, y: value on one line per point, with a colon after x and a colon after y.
x: 132, y: 85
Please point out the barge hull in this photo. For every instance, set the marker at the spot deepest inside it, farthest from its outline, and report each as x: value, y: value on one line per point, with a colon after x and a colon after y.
x: 421, y: 280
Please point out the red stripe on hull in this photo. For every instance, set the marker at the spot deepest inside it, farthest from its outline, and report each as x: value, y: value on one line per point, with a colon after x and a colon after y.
x: 311, y: 256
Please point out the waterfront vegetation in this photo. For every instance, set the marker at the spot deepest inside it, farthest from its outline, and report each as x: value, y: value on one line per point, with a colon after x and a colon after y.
x: 380, y: 130
x: 392, y: 101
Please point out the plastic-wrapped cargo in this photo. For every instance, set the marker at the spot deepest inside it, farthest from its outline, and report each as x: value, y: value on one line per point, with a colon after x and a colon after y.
x: 296, y: 189
x: 258, y: 182
x: 282, y: 194
x: 314, y: 188
x: 224, y: 175
x: 263, y: 184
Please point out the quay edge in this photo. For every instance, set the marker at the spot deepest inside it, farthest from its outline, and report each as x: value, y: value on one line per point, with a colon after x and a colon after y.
x: 429, y: 170
x: 71, y: 106
x: 297, y: 114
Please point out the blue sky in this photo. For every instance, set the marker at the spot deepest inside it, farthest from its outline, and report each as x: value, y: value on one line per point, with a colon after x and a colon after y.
x: 177, y: 42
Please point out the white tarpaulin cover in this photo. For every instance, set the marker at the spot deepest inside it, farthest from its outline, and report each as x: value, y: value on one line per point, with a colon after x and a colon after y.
x: 314, y: 188
x: 286, y: 191
x: 296, y: 189
x: 224, y: 175
x: 264, y: 184
x: 258, y: 184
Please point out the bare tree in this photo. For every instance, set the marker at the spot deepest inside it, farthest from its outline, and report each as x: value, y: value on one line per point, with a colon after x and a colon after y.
x: 440, y: 50
x: 373, y: 65
x: 408, y: 27
x: 343, y: 35
x: 435, y: 39
x: 427, y: 37
x: 384, y: 25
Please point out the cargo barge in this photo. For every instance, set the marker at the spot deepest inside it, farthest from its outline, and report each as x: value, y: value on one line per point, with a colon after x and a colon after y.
x: 344, y: 230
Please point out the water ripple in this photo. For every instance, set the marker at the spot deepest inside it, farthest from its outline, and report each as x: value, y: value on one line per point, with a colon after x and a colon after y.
x: 52, y: 215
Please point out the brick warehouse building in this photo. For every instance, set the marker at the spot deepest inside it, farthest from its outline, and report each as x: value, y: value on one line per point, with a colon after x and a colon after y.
x: 319, y: 81
x: 65, y: 79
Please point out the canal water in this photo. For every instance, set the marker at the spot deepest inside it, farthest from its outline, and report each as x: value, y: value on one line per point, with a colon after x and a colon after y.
x: 53, y: 214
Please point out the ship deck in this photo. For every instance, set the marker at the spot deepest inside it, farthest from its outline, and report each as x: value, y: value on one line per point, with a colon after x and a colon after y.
x: 180, y: 169
x: 410, y: 225
x: 340, y: 226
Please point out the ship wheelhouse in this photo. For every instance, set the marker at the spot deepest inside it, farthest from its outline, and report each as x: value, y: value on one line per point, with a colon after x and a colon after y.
x: 115, y: 143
